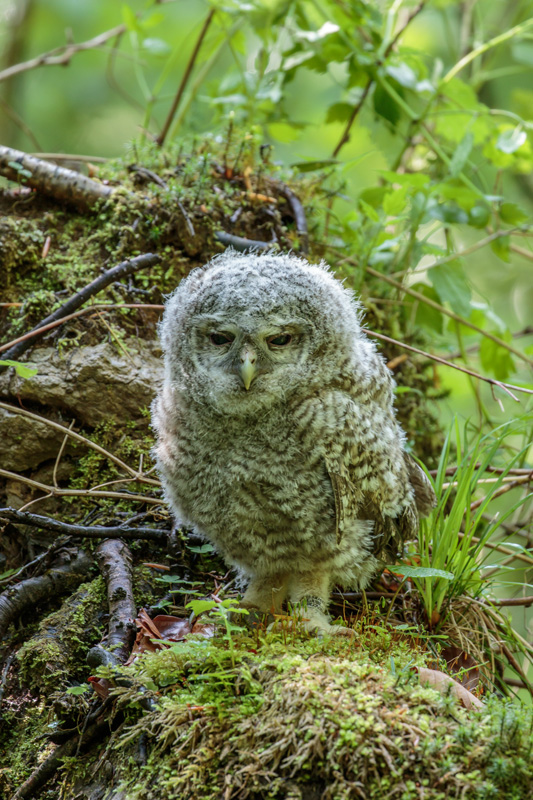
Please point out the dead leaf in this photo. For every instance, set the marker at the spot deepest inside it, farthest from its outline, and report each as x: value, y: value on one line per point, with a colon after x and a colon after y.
x: 444, y: 684
x: 462, y: 666
x: 164, y: 629
x: 100, y: 686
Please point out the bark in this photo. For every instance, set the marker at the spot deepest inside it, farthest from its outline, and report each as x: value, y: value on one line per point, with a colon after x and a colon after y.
x: 56, y: 580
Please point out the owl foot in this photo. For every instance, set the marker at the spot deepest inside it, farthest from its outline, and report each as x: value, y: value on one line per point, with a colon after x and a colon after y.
x: 318, y: 624
x: 313, y: 622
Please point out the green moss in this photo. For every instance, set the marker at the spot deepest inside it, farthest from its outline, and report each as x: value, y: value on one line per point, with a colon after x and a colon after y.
x: 55, y: 656
x: 21, y: 736
x: 311, y: 714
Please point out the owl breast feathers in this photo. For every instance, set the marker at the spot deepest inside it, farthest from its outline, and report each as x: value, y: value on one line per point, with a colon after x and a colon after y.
x: 277, y: 438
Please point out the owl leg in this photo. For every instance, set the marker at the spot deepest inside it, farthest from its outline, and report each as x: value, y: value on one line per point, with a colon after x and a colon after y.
x: 266, y: 593
x: 309, y: 593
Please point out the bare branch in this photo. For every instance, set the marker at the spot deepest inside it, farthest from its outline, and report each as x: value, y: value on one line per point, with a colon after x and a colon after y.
x: 185, y: 79
x: 58, y: 322
x: 505, y: 386
x: 62, y: 55
x: 87, y: 493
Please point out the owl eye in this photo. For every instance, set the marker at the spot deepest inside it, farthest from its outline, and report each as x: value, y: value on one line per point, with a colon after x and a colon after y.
x: 280, y: 341
x: 220, y: 339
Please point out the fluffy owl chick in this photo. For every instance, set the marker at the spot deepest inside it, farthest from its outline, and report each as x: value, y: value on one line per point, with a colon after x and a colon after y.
x: 277, y: 439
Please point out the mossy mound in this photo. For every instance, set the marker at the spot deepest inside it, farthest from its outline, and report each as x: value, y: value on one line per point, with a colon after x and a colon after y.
x: 308, y: 719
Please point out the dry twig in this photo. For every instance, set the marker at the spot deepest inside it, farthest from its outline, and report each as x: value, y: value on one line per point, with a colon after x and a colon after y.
x: 136, y: 476
x: 110, y: 276
x: 52, y: 491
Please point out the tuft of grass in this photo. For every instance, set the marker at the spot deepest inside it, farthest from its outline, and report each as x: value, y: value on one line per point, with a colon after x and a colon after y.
x: 455, y: 583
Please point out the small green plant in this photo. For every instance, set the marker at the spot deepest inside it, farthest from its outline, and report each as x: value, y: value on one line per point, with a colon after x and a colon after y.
x: 221, y: 611
x: 22, y: 370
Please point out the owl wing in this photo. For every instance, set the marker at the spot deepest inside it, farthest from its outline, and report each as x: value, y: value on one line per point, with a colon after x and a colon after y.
x: 425, y: 497
x: 372, y: 476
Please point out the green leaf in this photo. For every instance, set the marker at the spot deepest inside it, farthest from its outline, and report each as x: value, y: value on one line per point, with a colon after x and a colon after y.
x: 395, y: 202
x: 385, y: 106
x: 8, y: 572
x: 77, y: 690
x: 416, y: 180
x: 374, y: 196
x: 426, y: 315
x: 296, y: 59
x: 22, y: 370
x: 419, y: 572
x: 130, y: 20
x: 202, y: 548
x: 403, y: 74
x: 495, y: 358
x: 501, y: 248
x: 314, y: 36
x: 283, y: 132
x: 311, y: 166
x: 153, y: 19
x: 199, y: 606
x: 461, y: 154
x: 479, y: 216
x: 511, y: 140
x: 339, y: 112
x: 367, y: 209
x: 450, y: 282
x: 156, y: 47
x: 512, y: 214
x: 448, y: 212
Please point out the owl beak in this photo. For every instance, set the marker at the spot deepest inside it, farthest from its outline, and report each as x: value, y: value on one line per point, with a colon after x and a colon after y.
x: 248, y: 368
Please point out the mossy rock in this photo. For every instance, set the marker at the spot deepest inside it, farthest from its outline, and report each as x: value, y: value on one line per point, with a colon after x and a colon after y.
x: 307, y: 719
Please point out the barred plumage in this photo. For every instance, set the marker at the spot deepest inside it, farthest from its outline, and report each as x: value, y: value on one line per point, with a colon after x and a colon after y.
x: 277, y: 438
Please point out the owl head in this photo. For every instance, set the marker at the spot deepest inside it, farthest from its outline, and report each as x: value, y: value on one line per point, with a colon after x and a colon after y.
x: 246, y: 331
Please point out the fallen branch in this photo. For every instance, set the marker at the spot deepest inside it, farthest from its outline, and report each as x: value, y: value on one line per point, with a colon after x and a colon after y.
x: 90, y: 532
x: 114, y: 560
x: 57, y: 182
x: 55, y: 581
x: 110, y: 276
x: 298, y: 213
